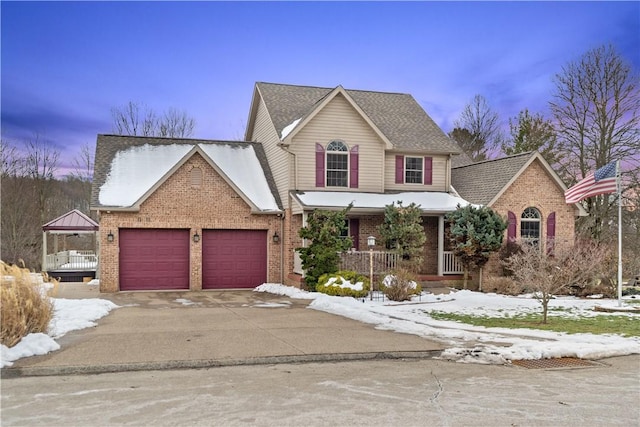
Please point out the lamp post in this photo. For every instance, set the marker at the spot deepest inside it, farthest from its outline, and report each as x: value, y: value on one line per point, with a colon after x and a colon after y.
x: 371, y: 242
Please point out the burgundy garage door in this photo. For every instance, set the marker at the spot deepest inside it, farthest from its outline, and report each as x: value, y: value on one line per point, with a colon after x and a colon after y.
x: 154, y: 259
x: 234, y: 258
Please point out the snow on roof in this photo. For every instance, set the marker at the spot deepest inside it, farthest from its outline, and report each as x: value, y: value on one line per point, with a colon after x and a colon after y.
x: 136, y: 170
x: 287, y: 129
x: 242, y: 166
x: 428, y: 201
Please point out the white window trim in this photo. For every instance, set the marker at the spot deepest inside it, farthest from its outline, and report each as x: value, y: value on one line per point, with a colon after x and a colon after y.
x: 421, y: 170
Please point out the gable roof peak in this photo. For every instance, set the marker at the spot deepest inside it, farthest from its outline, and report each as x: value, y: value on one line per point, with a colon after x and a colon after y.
x: 402, y: 123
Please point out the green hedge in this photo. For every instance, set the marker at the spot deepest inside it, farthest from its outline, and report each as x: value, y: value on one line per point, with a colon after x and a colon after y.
x: 341, y: 277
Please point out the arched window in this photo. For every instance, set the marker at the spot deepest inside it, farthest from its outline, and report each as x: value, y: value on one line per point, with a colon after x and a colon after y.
x: 337, y: 164
x: 530, y: 226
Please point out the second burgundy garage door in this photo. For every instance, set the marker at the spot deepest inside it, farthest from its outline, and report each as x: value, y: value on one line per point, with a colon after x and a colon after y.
x: 154, y: 259
x: 234, y: 258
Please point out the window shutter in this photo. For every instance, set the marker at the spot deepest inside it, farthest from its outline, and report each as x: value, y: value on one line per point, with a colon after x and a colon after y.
x: 353, y: 168
x: 399, y: 169
x: 428, y: 170
x: 319, y: 165
x: 511, y: 228
x: 551, y: 232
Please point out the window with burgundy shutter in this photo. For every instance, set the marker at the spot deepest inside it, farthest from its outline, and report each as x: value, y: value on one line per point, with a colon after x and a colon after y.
x: 551, y: 232
x: 319, y: 165
x: 428, y: 170
x: 512, y: 225
x: 353, y: 167
x: 399, y: 169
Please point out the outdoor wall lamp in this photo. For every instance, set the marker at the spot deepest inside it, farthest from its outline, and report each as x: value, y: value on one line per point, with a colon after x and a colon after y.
x: 276, y: 237
x: 371, y: 241
x: 196, y: 237
x: 110, y: 237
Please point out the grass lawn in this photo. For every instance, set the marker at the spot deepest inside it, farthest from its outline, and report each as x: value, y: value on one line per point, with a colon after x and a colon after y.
x: 603, y: 324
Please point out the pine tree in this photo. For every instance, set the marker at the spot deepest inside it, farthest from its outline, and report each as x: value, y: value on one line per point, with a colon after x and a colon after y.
x: 402, y: 231
x: 324, y: 229
x: 474, y: 234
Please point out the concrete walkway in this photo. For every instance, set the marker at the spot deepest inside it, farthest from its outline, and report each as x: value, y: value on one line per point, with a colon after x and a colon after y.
x: 152, y: 331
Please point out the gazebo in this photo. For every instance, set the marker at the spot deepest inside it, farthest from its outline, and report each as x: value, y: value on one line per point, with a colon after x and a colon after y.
x: 72, y: 262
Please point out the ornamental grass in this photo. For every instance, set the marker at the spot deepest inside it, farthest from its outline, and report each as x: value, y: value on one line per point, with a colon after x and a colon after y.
x: 25, y: 307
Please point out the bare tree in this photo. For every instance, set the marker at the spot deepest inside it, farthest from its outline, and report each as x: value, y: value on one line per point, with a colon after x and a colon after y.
x: 137, y: 119
x: 532, y: 133
x: 176, y: 124
x: 482, y: 124
x: 548, y: 274
x: 83, y: 164
x: 596, y: 106
x: 41, y: 164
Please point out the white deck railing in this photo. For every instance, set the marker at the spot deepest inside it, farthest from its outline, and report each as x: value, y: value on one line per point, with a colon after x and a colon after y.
x: 71, y: 260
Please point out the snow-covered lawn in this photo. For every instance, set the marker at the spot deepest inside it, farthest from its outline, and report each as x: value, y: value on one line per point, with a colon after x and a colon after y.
x: 477, y: 344
x: 68, y: 315
x: 465, y: 343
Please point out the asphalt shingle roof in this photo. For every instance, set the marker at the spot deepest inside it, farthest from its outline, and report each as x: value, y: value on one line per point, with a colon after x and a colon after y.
x: 480, y: 182
x: 397, y: 115
x: 108, y: 146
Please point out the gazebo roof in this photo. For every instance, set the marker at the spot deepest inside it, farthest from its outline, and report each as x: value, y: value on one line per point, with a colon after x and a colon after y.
x: 71, y: 221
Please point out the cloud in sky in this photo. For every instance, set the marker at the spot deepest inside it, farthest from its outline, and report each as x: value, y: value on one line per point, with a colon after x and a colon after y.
x: 66, y: 64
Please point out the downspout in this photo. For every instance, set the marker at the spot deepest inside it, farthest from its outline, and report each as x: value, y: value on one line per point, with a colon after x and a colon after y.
x: 282, y: 243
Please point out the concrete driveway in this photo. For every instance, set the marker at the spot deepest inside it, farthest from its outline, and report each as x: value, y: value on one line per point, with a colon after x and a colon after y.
x: 160, y: 330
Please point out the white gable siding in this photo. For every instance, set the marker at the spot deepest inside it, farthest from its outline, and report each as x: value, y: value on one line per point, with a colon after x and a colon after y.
x: 338, y: 120
x: 439, y: 177
x: 279, y: 160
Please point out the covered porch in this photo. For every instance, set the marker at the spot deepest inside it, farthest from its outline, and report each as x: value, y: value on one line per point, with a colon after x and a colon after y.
x: 367, y: 214
x: 70, y: 247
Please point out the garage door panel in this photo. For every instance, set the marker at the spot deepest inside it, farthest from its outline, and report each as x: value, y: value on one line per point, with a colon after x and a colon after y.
x: 234, y: 258
x: 154, y: 259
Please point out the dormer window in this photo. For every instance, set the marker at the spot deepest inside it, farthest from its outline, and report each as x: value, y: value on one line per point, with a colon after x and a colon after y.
x: 337, y: 164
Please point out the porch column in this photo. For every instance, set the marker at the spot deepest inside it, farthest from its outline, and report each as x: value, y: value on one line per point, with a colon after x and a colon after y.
x: 440, y: 244
x: 44, y: 251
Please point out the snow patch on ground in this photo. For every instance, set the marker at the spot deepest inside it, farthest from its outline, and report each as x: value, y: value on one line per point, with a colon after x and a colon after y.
x: 477, y: 344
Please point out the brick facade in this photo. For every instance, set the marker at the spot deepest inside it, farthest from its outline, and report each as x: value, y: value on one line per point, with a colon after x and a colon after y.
x: 176, y: 203
x: 535, y: 188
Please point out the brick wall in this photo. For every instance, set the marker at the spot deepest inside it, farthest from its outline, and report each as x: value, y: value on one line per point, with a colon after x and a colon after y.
x: 176, y: 203
x: 535, y: 188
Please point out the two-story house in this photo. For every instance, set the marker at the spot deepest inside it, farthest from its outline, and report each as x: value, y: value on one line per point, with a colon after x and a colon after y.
x: 199, y: 214
x: 329, y: 147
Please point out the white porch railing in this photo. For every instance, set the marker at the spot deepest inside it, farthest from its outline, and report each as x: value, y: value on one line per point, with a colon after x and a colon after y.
x: 71, y: 260
x: 382, y: 262
x: 451, y: 264
x: 359, y: 261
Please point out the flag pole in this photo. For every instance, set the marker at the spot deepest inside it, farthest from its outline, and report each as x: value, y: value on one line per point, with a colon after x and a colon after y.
x: 619, y: 185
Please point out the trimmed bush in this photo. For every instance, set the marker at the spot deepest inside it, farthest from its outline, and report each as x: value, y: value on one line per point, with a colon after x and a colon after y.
x: 400, y: 286
x: 344, y: 284
x: 26, y: 308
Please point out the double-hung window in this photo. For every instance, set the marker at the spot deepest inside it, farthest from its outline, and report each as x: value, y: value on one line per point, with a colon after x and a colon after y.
x: 337, y: 164
x: 413, y: 170
x: 530, y: 226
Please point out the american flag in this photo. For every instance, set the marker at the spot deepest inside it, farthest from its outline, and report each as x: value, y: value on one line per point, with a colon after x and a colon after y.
x: 603, y: 181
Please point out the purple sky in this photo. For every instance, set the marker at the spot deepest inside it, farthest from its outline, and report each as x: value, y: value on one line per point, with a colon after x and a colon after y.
x: 66, y: 64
